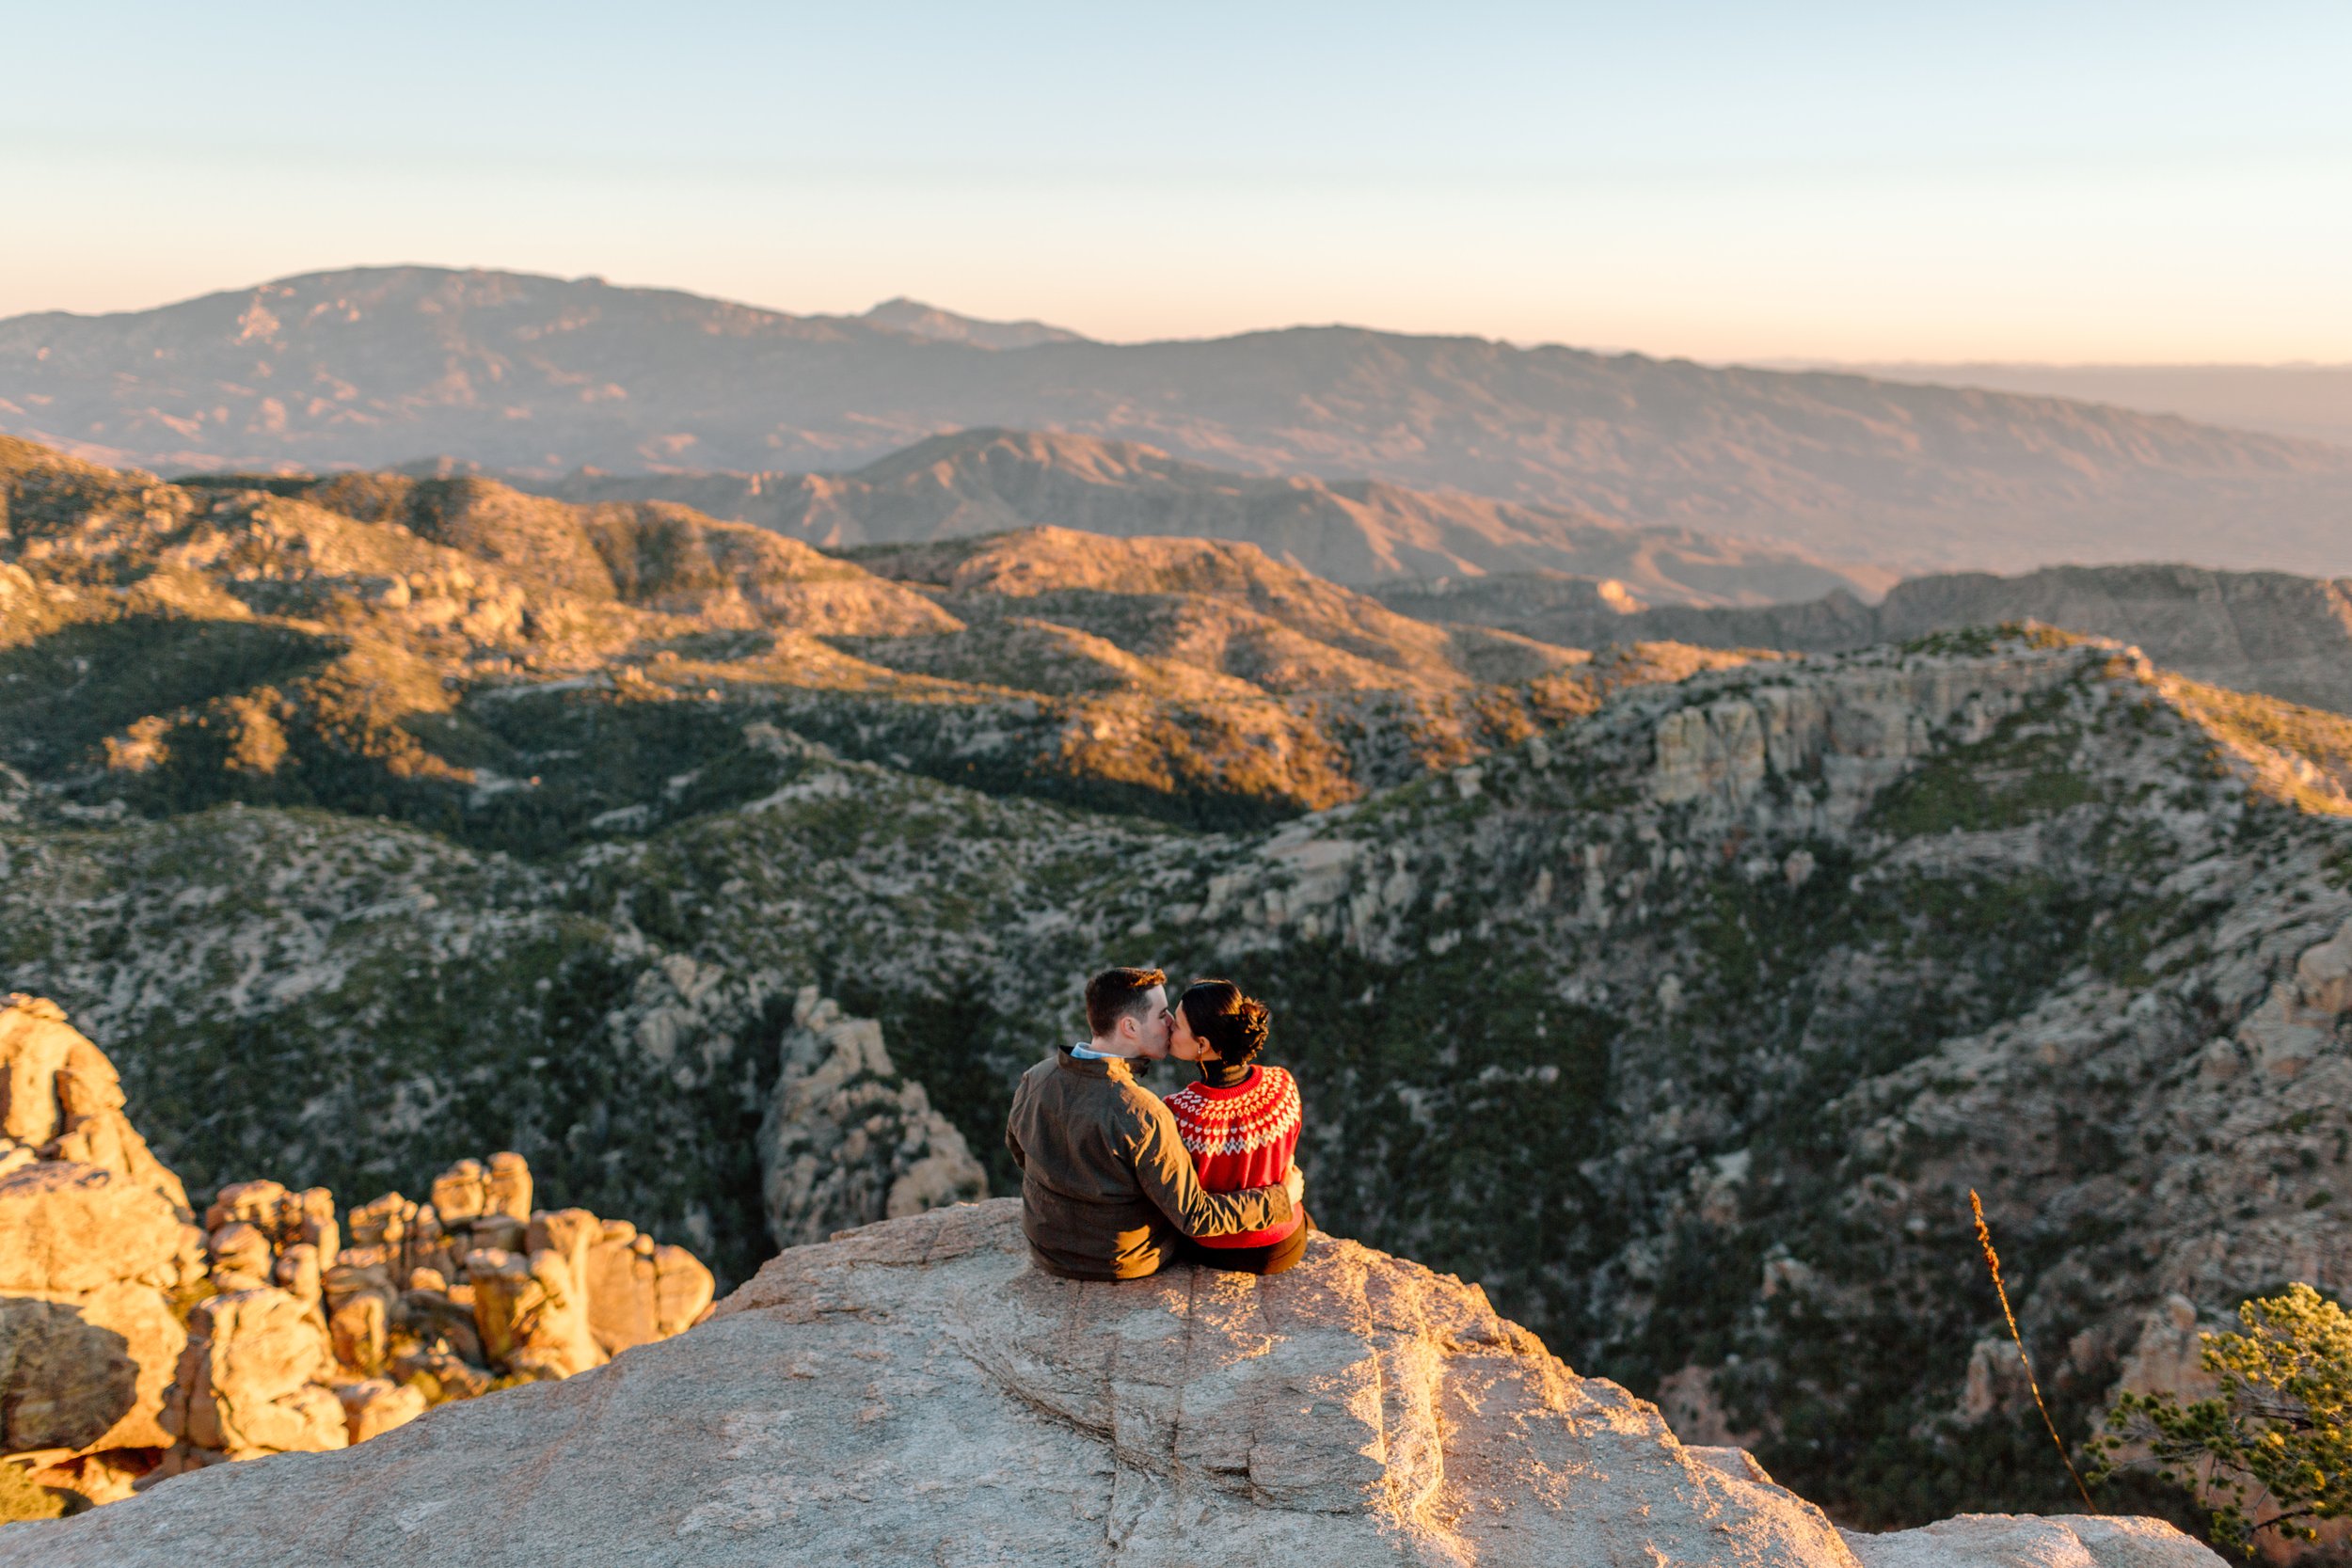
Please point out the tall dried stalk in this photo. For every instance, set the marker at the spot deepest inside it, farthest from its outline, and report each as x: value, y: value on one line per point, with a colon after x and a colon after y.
x: 1993, y: 1261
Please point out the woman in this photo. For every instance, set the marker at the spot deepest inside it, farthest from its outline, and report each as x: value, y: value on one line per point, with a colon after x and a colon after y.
x: 1240, y: 1120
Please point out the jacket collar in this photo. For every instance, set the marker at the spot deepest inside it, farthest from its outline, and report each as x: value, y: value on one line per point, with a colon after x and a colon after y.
x: 1115, y: 1068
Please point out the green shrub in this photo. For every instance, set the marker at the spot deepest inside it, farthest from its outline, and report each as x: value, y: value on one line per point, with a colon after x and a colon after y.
x: 2281, y: 1426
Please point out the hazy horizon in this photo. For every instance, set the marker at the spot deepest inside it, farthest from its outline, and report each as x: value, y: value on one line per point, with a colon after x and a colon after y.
x: 2104, y: 184
x: 1882, y: 367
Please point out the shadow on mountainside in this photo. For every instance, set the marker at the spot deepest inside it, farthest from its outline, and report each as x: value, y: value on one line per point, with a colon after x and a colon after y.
x: 62, y: 695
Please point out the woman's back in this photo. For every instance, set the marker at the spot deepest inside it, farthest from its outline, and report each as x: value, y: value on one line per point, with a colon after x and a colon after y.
x: 1240, y: 1136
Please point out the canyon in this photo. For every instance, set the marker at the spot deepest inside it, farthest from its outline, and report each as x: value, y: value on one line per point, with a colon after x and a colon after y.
x: 365, y: 821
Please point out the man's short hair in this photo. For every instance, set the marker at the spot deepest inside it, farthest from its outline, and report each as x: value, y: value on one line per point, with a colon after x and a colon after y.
x: 1117, y: 992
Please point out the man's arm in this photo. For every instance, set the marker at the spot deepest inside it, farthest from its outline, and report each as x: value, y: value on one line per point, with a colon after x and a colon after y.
x: 1164, y: 1169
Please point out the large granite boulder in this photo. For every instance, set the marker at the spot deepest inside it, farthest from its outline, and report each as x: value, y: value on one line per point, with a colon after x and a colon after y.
x: 638, y: 1291
x: 69, y: 1229
x: 916, y: 1392
x: 252, y: 1380
x: 86, y: 1373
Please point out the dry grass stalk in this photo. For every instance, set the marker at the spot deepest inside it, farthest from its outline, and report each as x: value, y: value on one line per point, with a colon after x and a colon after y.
x: 1993, y: 1261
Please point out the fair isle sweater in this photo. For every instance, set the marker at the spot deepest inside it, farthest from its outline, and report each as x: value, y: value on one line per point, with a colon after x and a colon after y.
x: 1241, y: 1137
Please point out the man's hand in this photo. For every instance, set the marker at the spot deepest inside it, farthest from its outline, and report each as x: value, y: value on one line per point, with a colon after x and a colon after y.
x: 1296, y: 1185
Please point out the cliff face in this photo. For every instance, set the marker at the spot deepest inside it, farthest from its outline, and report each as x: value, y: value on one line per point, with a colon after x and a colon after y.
x: 915, y: 1391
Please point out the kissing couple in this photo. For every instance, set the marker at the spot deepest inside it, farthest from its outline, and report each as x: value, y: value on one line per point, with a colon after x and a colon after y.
x: 1115, y: 1182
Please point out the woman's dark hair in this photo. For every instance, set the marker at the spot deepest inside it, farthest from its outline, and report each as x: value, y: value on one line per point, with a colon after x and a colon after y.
x: 1234, y: 1025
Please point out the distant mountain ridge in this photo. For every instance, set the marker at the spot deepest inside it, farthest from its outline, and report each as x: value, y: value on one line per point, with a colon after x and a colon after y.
x: 2311, y: 403
x: 930, y: 320
x: 373, y: 366
x: 2270, y: 632
x: 1349, y: 531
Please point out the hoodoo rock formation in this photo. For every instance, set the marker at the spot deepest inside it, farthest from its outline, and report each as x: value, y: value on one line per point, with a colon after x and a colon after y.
x: 846, y: 1141
x: 95, y: 1247
x: 135, y: 1346
x: 915, y: 1391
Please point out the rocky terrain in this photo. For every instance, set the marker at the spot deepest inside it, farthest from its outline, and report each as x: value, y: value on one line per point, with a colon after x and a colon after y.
x: 376, y: 367
x: 1682, y: 1022
x: 1739, y: 992
x: 136, y: 1346
x: 520, y: 669
x: 914, y: 1392
x: 2280, y: 635
x: 1356, y: 532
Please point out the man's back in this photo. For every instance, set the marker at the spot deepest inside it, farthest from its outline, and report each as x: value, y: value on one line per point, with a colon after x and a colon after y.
x: 1106, y: 1186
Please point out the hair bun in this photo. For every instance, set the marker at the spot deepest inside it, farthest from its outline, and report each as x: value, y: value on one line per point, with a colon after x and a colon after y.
x: 1253, y: 1017
x: 1232, y: 1024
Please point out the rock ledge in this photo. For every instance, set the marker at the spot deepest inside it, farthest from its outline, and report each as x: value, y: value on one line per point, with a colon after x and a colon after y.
x: 914, y: 1392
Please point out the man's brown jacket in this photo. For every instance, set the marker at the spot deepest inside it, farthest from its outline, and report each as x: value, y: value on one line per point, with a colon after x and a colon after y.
x: 1106, y: 1185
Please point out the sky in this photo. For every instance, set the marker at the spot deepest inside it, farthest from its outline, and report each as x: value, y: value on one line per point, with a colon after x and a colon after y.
x: 2120, y: 183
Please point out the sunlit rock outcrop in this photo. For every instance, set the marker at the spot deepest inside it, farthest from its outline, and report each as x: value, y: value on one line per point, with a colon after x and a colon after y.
x: 95, y: 1252
x: 136, y: 1346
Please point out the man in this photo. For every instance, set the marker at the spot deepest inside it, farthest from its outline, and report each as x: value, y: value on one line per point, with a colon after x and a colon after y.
x: 1106, y: 1186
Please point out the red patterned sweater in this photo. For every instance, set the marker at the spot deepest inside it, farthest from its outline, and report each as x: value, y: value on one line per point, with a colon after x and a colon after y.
x: 1240, y: 1138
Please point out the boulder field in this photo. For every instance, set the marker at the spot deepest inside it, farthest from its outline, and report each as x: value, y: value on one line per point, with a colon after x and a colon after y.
x: 136, y: 1345
x: 915, y: 1392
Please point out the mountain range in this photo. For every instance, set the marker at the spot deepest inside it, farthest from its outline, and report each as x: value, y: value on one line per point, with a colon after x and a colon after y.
x: 2308, y: 402
x: 1352, y: 531
x: 376, y: 367
x: 493, y: 661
